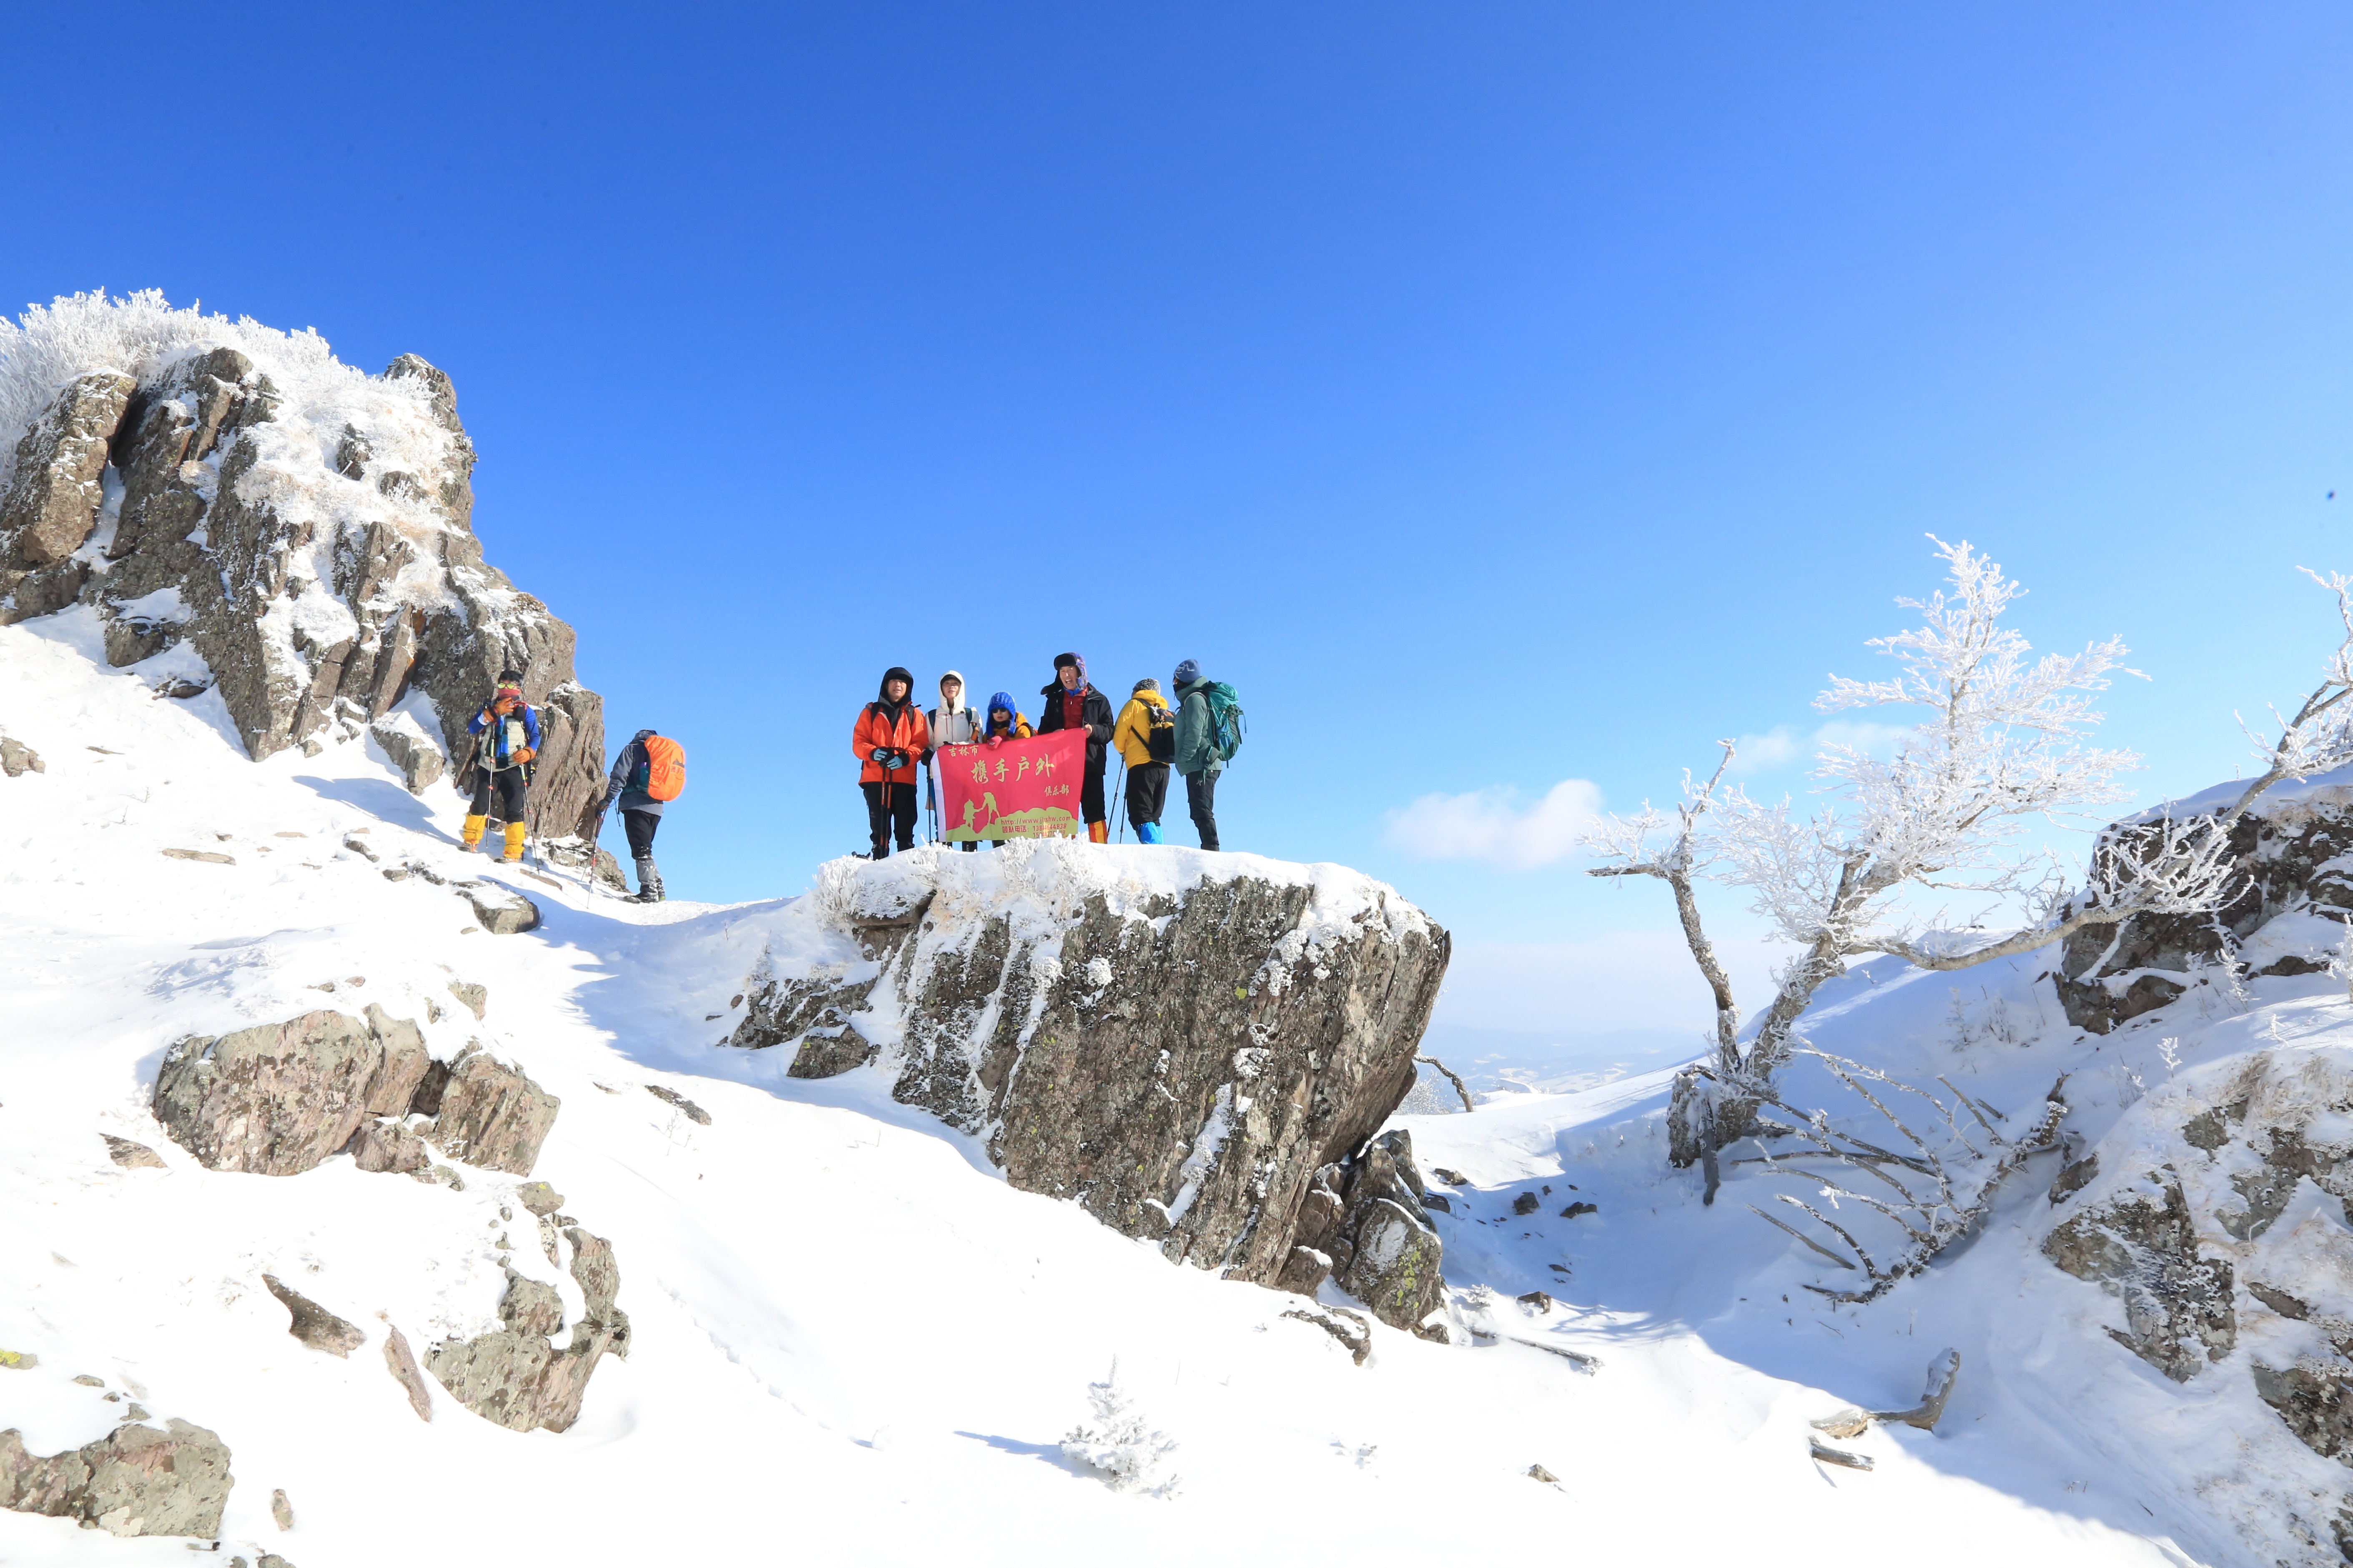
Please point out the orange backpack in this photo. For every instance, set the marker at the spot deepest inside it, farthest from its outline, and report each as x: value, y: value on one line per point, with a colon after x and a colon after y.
x: 665, y: 767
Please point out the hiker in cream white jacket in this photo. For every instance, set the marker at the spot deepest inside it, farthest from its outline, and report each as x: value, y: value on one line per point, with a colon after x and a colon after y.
x: 953, y: 723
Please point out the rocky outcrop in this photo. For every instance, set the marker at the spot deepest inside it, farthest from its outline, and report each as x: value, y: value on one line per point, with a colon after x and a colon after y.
x: 1362, y: 1225
x: 17, y: 759
x: 1185, y: 1044
x: 279, y: 1098
x: 414, y: 755
x: 314, y: 553
x: 55, y: 489
x: 514, y: 1376
x: 2142, y: 1247
x: 485, y: 1113
x: 135, y: 1480
x: 2293, y: 855
x: 2233, y: 1228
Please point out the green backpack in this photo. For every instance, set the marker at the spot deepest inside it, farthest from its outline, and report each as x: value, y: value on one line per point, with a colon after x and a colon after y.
x: 1225, y: 720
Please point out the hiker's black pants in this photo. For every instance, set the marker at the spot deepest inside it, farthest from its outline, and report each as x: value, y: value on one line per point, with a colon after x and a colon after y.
x: 1201, y: 799
x: 1091, y: 796
x: 640, y: 825
x: 510, y: 793
x: 899, y: 811
x: 1147, y: 792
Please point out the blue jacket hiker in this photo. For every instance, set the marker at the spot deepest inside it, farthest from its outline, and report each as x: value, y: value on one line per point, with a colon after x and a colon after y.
x: 507, y: 732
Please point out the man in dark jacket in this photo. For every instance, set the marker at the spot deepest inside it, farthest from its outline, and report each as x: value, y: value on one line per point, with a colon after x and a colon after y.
x: 640, y: 813
x: 1073, y: 704
x: 1196, y: 753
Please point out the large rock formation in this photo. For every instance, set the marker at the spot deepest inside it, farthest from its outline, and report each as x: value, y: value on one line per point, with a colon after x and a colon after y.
x: 135, y: 1480
x: 1187, y: 1044
x: 278, y: 1099
x: 2223, y: 1224
x: 2288, y: 851
x: 305, y: 531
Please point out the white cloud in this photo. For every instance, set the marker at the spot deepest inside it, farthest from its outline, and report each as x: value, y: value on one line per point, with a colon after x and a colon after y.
x: 1780, y: 746
x: 1491, y: 825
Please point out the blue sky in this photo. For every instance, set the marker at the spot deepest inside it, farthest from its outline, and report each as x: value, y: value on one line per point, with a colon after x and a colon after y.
x: 1497, y: 395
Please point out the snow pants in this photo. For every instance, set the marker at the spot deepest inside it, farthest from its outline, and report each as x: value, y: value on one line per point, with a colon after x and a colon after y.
x: 1201, y: 800
x: 1147, y: 791
x: 883, y: 815
x: 640, y: 825
x: 510, y: 793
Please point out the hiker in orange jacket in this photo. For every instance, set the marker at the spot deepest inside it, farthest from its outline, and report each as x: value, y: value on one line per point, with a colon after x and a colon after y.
x: 890, y: 740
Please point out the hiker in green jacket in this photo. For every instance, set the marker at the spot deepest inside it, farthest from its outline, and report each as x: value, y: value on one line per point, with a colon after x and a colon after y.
x: 1196, y: 753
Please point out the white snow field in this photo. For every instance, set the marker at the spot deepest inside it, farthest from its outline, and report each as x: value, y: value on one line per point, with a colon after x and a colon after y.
x: 853, y: 1343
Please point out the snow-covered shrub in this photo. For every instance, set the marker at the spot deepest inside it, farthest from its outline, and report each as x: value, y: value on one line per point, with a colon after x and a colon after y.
x: 1120, y: 1445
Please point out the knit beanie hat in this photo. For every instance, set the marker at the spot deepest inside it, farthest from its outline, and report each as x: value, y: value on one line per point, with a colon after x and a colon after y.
x: 1189, y: 672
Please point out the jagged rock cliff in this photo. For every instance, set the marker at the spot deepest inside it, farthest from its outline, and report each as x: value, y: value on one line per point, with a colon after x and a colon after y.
x: 1196, y: 1048
x: 2294, y: 860
x: 248, y: 516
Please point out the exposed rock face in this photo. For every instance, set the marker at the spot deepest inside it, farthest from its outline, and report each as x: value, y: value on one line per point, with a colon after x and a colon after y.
x: 319, y: 582
x: 416, y: 754
x: 1362, y: 1226
x: 1182, y: 1048
x: 501, y: 911
x: 279, y: 1099
x: 515, y: 1376
x: 486, y: 1113
x: 54, y: 492
x: 2288, y: 852
x: 2232, y: 1229
x: 134, y: 1481
x: 2143, y: 1247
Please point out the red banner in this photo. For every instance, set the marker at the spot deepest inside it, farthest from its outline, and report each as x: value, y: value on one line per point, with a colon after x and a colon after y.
x: 1015, y: 789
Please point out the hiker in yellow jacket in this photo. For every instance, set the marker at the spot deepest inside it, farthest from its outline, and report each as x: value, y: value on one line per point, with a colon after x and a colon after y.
x: 1147, y: 738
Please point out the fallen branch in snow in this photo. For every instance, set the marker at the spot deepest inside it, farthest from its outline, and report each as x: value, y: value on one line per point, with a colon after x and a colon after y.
x: 1451, y: 1078
x: 1359, y: 1344
x: 1829, y: 1456
x: 1943, y: 1372
x: 1953, y: 1202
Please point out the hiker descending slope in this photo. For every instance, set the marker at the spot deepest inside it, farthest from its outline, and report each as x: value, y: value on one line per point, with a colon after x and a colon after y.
x: 650, y: 773
x: 1073, y: 704
x: 1208, y: 732
x: 952, y: 724
x: 1146, y: 739
x: 890, y: 739
x: 508, y: 732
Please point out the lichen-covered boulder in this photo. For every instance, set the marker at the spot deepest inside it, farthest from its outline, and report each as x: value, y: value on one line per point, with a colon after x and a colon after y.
x: 278, y: 1099
x: 485, y: 1113
x: 136, y: 1480
x: 514, y: 1376
x: 1180, y: 1041
x: 2141, y: 1246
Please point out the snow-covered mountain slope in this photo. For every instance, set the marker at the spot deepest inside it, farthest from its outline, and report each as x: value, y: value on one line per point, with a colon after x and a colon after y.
x: 853, y: 1341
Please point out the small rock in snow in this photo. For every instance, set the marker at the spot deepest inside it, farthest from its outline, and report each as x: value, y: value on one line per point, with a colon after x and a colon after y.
x: 694, y: 1112
x: 280, y: 1509
x: 313, y: 1324
x: 475, y: 997
x: 18, y: 1361
x: 1451, y: 1178
x: 404, y: 1369
x: 1538, y: 1473
x: 201, y: 855
x: 131, y: 1156
x: 539, y: 1198
x: 1536, y: 1298
x: 1573, y: 1210
x: 1526, y: 1203
x: 87, y: 1380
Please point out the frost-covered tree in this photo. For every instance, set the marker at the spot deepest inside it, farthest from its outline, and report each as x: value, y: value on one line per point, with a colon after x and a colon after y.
x: 2003, y: 739
x: 1119, y: 1444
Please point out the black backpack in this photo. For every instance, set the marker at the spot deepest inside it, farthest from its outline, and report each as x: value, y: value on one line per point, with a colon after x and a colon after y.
x: 1160, y: 733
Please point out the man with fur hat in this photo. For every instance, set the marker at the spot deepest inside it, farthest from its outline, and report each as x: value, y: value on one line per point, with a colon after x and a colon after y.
x: 1073, y: 704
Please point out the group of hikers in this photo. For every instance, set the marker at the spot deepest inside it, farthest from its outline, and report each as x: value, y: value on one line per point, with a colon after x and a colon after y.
x: 895, y: 741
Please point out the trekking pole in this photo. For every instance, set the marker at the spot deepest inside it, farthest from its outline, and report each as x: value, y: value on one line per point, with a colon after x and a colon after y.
x: 1122, y: 798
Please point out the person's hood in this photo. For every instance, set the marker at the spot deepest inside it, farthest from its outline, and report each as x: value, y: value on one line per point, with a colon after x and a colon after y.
x: 1150, y: 695
x: 643, y: 735
x: 959, y: 705
x: 896, y: 672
